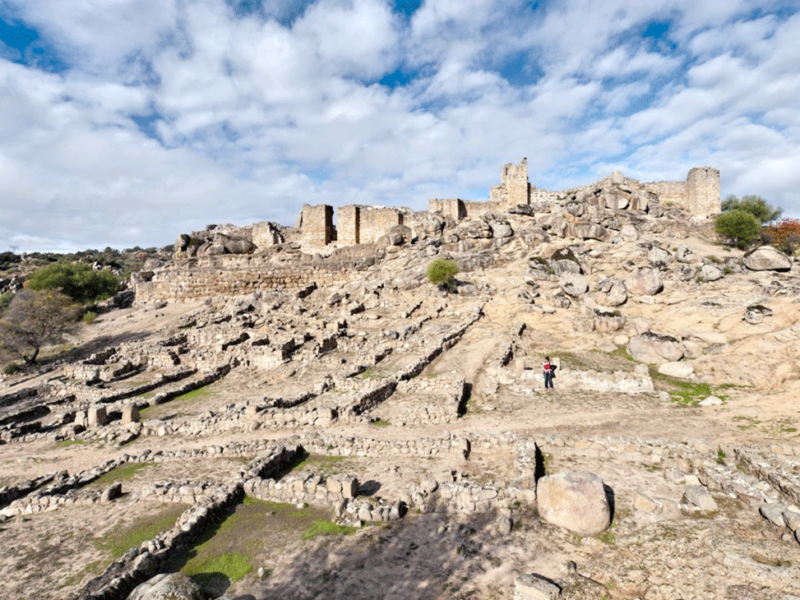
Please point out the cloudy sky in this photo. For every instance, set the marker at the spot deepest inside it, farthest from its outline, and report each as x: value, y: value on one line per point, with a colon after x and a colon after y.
x: 127, y: 122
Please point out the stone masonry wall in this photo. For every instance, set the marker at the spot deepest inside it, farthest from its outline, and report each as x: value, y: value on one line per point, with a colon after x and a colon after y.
x: 348, y: 225
x: 376, y: 221
x: 318, y: 227
x: 265, y: 234
x: 669, y: 192
x: 450, y: 208
x: 514, y: 187
x: 233, y: 276
x: 702, y: 186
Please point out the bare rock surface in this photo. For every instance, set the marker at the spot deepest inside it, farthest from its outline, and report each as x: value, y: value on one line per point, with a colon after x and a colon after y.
x: 575, y: 500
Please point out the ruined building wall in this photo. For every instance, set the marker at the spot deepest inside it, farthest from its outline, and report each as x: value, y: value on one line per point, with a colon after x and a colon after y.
x: 669, y: 192
x: 475, y: 208
x: 317, y: 228
x: 450, y: 208
x: 266, y: 234
x: 376, y: 221
x: 235, y: 275
x: 348, y: 225
x: 703, y: 195
x: 514, y: 187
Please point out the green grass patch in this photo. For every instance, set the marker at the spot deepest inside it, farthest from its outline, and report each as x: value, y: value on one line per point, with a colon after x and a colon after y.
x: 198, y: 393
x: 686, y: 393
x: 121, y: 473
x: 380, y: 423
x: 121, y: 539
x: 233, y: 566
x: 67, y: 443
x: 622, y: 352
x: 326, y: 528
x: 607, y: 537
x: 318, y: 463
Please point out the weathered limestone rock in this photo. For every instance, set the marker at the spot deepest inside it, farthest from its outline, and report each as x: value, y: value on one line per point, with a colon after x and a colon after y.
x: 575, y: 500
x: 711, y: 401
x: 586, y: 230
x: 168, y: 586
x: 681, y: 370
x: 684, y: 254
x: 97, y: 416
x: 611, y: 292
x: 617, y: 178
x: 563, y: 261
x: 615, y: 199
x: 501, y: 229
x: 658, y: 256
x: 130, y: 414
x: 710, y: 273
x: 646, y: 281
x: 112, y: 492
x: 608, y: 321
x: 773, y: 512
x: 574, y: 284
x: 698, y: 496
x: 755, y: 314
x: 629, y: 233
x: 766, y: 258
x: 655, y: 348
x: 535, y: 587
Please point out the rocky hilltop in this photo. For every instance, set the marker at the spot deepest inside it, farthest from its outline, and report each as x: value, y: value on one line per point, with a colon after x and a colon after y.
x: 298, y: 413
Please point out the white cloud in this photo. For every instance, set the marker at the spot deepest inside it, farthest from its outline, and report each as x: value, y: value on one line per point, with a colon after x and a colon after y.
x: 255, y: 118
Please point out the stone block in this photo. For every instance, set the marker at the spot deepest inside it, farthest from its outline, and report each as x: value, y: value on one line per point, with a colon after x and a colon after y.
x: 130, y: 414
x: 97, y: 416
x: 535, y: 587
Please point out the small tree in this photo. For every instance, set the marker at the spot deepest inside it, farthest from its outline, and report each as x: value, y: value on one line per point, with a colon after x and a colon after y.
x: 738, y: 227
x: 442, y: 272
x: 784, y: 235
x: 755, y: 205
x: 76, y: 280
x: 36, y: 319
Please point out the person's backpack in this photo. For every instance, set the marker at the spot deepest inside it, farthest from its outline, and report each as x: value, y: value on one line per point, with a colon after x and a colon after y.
x: 553, y: 370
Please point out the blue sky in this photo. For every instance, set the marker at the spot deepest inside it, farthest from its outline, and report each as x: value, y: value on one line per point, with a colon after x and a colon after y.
x: 127, y: 122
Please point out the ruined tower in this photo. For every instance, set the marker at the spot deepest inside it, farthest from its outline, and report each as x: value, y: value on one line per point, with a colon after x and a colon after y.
x: 702, y: 191
x: 514, y: 187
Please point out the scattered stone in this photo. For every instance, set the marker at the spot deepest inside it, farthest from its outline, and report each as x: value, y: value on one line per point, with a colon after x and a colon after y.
x: 711, y: 401
x: 766, y: 258
x: 655, y: 348
x: 112, y: 492
x: 644, y: 503
x: 535, y: 587
x: 773, y: 513
x: 684, y: 254
x: 698, y: 496
x: 168, y: 586
x: 574, y: 284
x: 97, y: 416
x: 130, y: 414
x: 681, y: 370
x: 646, y: 281
x: 710, y: 273
x: 629, y: 233
x: 575, y: 500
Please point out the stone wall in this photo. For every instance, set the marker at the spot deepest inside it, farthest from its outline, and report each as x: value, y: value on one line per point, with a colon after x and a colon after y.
x: 376, y: 221
x: 266, y: 234
x: 669, y: 192
x: 348, y: 225
x: 514, y: 187
x: 702, y: 187
x: 233, y: 275
x: 317, y: 225
x: 476, y: 208
x: 450, y: 209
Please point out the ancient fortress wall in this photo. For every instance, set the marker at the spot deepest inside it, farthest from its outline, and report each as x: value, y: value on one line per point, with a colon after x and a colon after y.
x: 452, y: 208
x: 318, y: 229
x: 702, y: 187
x: 265, y: 234
x: 669, y: 192
x: 348, y: 225
x: 235, y: 275
x: 514, y: 187
x: 376, y: 221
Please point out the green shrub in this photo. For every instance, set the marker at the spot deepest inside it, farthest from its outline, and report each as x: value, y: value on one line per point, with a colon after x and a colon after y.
x: 11, y: 368
x: 442, y: 272
x: 738, y: 227
x: 762, y: 210
x: 76, y: 280
x: 89, y: 317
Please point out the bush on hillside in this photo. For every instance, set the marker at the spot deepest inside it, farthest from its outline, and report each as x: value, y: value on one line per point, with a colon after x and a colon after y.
x: 784, y: 235
x: 762, y: 210
x: 442, y: 272
x: 76, y: 280
x: 739, y: 228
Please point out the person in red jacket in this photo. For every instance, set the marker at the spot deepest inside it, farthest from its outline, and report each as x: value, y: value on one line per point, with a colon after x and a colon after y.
x: 548, y: 370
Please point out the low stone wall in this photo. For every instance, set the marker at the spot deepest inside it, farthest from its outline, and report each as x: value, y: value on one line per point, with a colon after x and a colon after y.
x: 187, y: 492
x: 14, y: 397
x: 140, y: 564
x: 10, y: 493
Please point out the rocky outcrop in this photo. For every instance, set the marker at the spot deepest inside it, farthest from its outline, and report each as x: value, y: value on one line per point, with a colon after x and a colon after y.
x: 766, y: 258
x: 168, y: 586
x: 574, y: 500
x: 646, y: 282
x: 655, y: 348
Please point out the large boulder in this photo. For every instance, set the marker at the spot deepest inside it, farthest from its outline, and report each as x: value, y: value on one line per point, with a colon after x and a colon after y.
x: 614, y: 198
x: 659, y: 256
x: 684, y: 254
x: 168, y: 586
x: 585, y: 230
x: 629, y: 233
x: 239, y: 246
x: 606, y: 321
x: 501, y: 229
x: 655, y: 348
x: 646, y: 281
x: 563, y: 261
x: 711, y: 273
x: 574, y: 500
x: 766, y: 258
x: 611, y: 292
x: 574, y: 284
